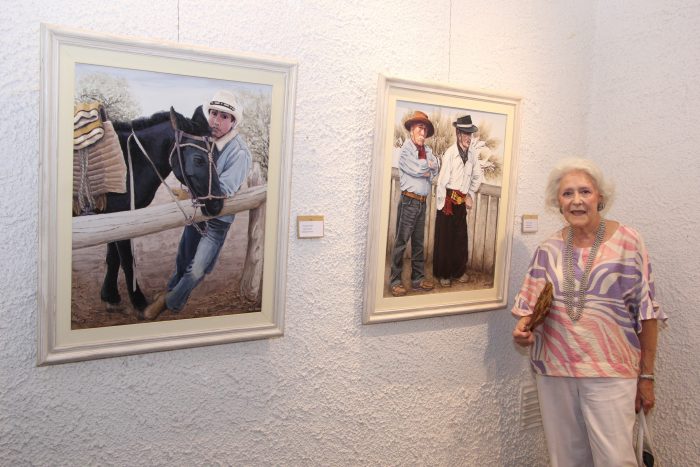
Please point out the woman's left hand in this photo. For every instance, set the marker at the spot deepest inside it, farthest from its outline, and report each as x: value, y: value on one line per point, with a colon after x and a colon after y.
x: 645, y: 395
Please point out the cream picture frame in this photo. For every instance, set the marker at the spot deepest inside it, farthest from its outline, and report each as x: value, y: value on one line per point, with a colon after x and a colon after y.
x: 490, y: 221
x: 62, y: 52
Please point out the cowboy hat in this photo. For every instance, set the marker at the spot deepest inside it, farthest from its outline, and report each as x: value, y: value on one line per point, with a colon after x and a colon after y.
x: 224, y: 101
x: 420, y: 117
x: 465, y: 125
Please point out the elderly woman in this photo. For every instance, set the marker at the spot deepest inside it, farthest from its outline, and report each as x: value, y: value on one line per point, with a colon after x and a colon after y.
x: 594, y: 353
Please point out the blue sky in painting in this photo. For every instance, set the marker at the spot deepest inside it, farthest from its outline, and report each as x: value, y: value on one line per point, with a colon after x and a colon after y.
x: 158, y: 91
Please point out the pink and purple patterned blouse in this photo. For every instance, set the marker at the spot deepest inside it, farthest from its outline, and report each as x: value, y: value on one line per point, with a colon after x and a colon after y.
x: 604, y: 342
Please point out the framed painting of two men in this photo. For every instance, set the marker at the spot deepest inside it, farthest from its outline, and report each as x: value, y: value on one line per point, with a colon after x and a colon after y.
x: 165, y: 183
x: 443, y: 179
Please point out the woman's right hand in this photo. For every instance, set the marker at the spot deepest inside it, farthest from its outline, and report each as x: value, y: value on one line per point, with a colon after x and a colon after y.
x: 521, y: 336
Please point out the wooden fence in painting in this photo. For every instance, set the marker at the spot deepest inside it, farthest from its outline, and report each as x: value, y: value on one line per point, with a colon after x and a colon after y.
x: 482, y: 221
x: 97, y: 229
x: 104, y: 228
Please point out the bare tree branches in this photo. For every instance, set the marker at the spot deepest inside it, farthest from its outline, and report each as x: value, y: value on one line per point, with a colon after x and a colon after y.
x: 255, y: 126
x: 112, y: 92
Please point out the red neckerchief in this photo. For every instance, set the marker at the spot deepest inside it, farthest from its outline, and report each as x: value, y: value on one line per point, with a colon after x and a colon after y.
x: 421, y: 152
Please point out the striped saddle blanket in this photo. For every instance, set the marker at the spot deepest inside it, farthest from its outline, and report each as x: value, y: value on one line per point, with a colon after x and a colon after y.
x: 98, y: 163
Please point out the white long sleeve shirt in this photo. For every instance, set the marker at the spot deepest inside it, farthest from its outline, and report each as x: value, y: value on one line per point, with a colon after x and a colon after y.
x: 457, y: 175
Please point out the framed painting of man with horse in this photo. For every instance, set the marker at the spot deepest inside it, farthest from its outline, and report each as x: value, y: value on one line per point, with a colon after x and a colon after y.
x: 443, y: 175
x: 165, y: 181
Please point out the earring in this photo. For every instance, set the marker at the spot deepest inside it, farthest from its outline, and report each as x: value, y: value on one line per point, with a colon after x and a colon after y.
x: 601, y: 206
x: 561, y: 211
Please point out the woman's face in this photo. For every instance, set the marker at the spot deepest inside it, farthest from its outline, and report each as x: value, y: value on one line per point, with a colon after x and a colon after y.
x: 578, y: 199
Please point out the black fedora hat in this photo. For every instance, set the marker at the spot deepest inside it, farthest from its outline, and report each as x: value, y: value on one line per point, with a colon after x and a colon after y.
x: 465, y: 125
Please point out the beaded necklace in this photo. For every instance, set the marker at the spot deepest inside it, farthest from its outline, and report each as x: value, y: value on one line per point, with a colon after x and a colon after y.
x: 569, y: 278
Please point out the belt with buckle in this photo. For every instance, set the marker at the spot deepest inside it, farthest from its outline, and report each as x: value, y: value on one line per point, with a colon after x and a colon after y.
x: 420, y: 198
x: 456, y: 197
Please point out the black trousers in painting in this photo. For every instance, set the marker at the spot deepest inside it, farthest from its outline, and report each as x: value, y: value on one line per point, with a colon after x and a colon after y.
x: 450, y: 251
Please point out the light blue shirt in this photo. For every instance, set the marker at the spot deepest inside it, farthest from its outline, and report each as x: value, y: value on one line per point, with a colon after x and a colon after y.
x: 233, y: 166
x: 412, y: 170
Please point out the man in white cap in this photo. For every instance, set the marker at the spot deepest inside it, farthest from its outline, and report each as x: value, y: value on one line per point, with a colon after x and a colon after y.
x: 417, y: 168
x: 460, y: 178
x: 197, y: 254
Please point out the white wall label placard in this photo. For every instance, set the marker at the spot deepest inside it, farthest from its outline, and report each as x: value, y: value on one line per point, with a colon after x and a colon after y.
x: 529, y: 223
x: 309, y: 226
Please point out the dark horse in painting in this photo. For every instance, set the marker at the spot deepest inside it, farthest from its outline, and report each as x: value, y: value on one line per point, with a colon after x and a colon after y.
x: 170, y: 142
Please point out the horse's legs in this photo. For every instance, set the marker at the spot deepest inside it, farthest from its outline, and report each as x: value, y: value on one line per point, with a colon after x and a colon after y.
x: 110, y: 291
x: 126, y: 258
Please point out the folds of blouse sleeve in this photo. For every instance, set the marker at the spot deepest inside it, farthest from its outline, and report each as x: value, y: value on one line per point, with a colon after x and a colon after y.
x: 533, y: 284
x: 648, y: 307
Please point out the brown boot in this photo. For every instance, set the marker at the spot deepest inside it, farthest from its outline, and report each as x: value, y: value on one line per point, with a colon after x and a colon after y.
x: 423, y: 285
x: 154, y: 309
x: 398, y: 290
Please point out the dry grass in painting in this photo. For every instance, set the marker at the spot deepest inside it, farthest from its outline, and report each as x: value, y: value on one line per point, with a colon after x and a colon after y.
x: 483, y: 143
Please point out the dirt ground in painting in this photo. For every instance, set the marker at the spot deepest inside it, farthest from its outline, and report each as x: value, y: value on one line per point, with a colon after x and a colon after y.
x: 218, y: 294
x: 477, y: 280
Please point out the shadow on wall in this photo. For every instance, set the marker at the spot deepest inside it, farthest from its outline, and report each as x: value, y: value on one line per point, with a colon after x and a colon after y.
x: 504, y: 359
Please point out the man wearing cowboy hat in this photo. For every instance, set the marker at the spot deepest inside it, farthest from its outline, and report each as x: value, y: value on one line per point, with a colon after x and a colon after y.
x: 459, y: 179
x: 417, y: 168
x: 197, y: 254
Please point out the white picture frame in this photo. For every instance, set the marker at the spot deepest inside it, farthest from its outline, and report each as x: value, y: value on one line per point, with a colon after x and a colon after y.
x: 490, y: 221
x: 63, y: 51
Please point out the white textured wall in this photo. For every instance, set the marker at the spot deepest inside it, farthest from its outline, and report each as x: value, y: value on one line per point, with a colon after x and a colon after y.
x: 440, y: 391
x: 643, y: 127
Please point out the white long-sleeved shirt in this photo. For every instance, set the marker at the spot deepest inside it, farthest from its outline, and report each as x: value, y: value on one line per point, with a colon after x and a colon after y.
x: 457, y: 175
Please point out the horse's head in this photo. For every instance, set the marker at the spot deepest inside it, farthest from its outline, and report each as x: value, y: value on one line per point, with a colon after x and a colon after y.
x: 194, y: 160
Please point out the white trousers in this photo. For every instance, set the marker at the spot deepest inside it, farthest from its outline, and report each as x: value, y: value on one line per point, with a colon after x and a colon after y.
x: 588, y: 421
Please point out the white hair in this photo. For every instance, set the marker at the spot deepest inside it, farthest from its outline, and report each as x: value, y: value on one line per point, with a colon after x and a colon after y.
x: 606, y: 189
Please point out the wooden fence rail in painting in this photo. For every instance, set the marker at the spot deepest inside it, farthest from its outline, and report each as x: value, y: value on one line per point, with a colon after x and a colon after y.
x: 104, y: 228
x: 482, y: 221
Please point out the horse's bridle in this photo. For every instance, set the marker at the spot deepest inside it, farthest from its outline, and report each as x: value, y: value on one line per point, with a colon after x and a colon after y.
x: 197, y: 201
x: 179, y: 134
